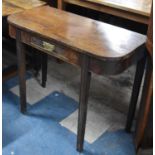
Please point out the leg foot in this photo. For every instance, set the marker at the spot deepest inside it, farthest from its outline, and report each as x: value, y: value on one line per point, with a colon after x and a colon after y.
x: 21, y: 71
x: 84, y: 92
x: 135, y: 94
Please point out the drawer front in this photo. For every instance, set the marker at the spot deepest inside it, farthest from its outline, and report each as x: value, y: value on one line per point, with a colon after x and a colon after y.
x: 62, y: 52
x: 59, y: 51
x: 67, y: 54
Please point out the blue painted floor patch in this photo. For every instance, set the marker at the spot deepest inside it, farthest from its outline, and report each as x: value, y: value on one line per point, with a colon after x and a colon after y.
x: 40, y: 133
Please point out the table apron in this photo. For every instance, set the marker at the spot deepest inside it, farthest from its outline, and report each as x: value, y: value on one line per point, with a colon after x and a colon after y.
x: 67, y: 54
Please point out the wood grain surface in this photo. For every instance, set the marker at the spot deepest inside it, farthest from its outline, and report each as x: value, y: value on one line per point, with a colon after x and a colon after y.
x: 8, y: 9
x: 26, y: 4
x: 79, y: 33
x: 14, y: 6
x: 134, y: 10
x: 149, y: 43
x: 142, y: 7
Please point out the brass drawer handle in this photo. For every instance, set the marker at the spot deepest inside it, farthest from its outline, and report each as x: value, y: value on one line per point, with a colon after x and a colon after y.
x: 42, y: 45
x: 47, y: 46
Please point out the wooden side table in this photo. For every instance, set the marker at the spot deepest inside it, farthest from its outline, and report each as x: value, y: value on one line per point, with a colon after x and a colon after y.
x: 91, y: 45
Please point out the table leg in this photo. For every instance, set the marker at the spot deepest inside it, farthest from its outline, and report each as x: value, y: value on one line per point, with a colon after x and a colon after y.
x: 21, y: 71
x: 135, y: 93
x: 145, y: 104
x: 44, y: 69
x: 61, y: 4
x: 36, y: 61
x: 84, y: 93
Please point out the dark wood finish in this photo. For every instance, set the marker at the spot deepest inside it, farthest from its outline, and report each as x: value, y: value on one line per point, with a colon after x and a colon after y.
x: 21, y: 70
x: 10, y: 7
x: 86, y: 43
x: 134, y: 10
x: 144, y: 128
x: 147, y: 141
x: 135, y: 93
x: 84, y: 93
x: 98, y: 65
x: 145, y: 105
x: 44, y: 69
x: 149, y: 43
x: 97, y: 41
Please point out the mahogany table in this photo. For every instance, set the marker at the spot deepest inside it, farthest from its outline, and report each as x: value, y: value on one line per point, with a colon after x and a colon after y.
x: 91, y: 45
x: 135, y: 10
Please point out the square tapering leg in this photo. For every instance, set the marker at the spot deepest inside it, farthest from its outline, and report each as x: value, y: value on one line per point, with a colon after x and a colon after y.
x: 144, y: 124
x: 21, y: 71
x: 84, y: 93
x: 44, y: 69
x: 135, y: 93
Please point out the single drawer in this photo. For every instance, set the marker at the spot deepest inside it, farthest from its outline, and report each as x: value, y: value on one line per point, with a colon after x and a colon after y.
x: 59, y: 51
x: 50, y: 47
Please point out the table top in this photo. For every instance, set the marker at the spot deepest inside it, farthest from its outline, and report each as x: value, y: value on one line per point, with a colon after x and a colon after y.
x: 9, y: 9
x: 26, y: 4
x: 79, y: 33
x: 15, y: 6
x: 142, y: 7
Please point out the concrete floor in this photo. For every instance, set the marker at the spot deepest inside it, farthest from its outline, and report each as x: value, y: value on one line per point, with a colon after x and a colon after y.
x: 112, y: 91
